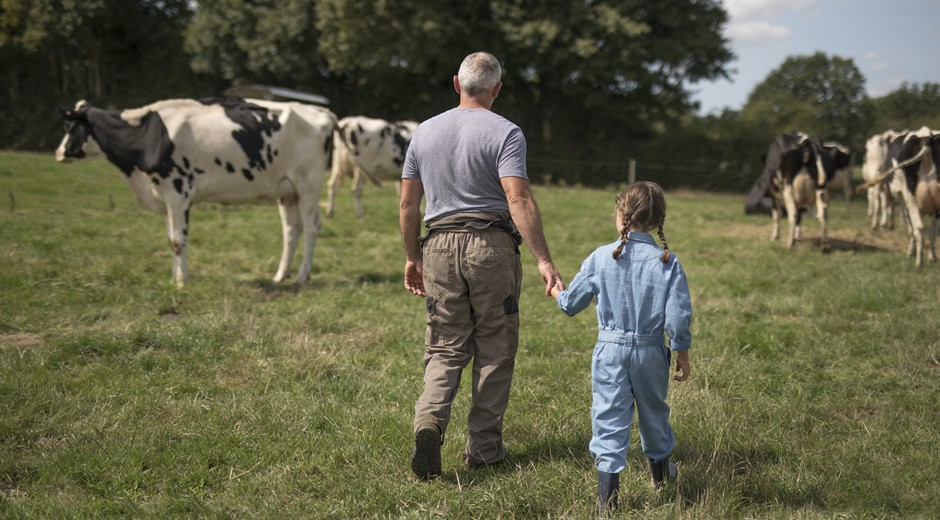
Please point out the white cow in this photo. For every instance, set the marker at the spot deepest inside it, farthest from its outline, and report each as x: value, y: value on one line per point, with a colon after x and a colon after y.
x: 177, y: 152
x: 367, y: 147
x: 880, y: 202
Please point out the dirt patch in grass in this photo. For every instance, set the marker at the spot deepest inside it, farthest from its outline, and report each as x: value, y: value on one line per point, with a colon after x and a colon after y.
x: 842, y: 239
x: 11, y: 493
x: 20, y: 340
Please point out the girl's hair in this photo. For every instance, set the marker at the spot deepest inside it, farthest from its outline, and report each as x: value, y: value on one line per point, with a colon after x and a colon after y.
x: 642, y: 204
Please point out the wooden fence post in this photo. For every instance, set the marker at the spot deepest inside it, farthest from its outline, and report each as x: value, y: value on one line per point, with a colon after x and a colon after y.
x: 631, y: 173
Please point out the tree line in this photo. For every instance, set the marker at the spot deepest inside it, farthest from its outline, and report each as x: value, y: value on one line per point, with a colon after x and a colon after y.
x: 593, y: 84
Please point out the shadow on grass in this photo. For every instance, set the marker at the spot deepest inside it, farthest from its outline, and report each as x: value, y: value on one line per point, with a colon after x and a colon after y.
x: 549, y: 449
x: 272, y: 291
x: 745, y: 471
x: 854, y: 246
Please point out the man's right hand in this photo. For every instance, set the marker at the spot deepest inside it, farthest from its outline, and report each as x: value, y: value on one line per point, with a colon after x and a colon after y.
x: 551, y: 277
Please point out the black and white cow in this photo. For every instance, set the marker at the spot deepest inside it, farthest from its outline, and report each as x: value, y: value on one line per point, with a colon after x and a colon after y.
x: 797, y: 169
x: 368, y: 147
x: 916, y: 187
x: 177, y: 152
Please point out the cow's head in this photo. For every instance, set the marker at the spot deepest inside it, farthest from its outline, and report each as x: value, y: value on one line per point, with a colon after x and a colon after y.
x: 79, y: 141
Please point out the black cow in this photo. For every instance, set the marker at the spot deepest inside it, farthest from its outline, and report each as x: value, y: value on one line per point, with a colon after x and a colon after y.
x: 797, y: 169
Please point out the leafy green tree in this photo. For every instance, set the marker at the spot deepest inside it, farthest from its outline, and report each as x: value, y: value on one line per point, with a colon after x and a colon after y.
x: 111, y: 52
x: 818, y: 94
x: 910, y: 106
x: 583, y: 78
x: 244, y: 41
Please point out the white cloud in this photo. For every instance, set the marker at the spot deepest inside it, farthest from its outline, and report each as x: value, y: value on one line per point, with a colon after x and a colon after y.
x: 751, y: 21
x: 757, y: 32
x: 871, y: 56
x: 740, y: 10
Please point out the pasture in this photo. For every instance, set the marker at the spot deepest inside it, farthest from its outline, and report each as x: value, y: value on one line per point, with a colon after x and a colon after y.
x: 814, y: 390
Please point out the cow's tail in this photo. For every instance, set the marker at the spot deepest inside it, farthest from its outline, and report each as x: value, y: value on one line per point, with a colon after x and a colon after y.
x: 885, y: 175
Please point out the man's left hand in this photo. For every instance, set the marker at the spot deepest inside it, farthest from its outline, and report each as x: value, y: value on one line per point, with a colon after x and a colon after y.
x: 414, y: 278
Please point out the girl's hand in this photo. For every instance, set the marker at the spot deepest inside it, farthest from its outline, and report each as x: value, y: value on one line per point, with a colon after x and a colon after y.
x: 682, y: 367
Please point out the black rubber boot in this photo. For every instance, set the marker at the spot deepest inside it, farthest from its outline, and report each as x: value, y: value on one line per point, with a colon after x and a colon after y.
x: 663, y: 471
x: 608, y: 485
x: 426, y: 457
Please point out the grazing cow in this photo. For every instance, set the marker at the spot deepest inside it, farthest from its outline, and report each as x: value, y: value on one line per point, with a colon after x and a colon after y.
x: 176, y: 152
x: 797, y: 169
x: 367, y: 147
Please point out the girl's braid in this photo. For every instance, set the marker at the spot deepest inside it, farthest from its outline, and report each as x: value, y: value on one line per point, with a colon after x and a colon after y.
x: 624, y: 234
x: 662, y: 238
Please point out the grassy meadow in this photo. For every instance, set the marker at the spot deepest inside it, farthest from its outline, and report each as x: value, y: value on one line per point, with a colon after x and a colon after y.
x: 815, y: 388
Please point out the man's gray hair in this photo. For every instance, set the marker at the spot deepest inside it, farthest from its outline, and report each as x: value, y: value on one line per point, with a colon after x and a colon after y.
x: 480, y: 72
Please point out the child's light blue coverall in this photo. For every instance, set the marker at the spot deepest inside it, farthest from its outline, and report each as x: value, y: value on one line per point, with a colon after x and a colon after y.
x: 638, y: 299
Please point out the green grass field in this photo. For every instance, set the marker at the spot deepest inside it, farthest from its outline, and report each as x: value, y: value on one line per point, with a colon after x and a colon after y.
x: 815, y: 389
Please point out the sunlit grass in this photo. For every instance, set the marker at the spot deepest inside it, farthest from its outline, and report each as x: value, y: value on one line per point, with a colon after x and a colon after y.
x: 814, y: 391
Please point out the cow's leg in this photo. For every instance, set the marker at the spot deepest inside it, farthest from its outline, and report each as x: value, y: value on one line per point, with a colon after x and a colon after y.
x: 177, y: 226
x: 310, y: 216
x: 309, y: 209
x: 888, y: 209
x: 932, y: 248
x: 357, y: 184
x: 798, y: 228
x: 291, y: 227
x: 335, y: 182
x: 822, y: 213
x: 915, y: 227
x: 874, y: 206
x: 790, y: 204
x: 775, y: 215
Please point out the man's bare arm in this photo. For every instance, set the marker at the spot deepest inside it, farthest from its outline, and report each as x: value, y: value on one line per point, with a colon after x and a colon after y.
x: 525, y: 214
x: 409, y: 221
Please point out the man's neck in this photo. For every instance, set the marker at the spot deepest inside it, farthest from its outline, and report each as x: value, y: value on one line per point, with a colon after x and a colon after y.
x: 470, y: 103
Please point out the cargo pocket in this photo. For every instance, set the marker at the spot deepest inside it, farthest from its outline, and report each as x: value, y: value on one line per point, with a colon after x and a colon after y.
x: 490, y: 270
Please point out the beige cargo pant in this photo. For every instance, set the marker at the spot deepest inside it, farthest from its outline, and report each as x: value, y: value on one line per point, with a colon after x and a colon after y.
x: 472, y: 279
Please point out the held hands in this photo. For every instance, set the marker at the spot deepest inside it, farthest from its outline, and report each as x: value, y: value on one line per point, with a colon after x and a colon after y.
x: 551, y: 277
x: 683, y: 367
x: 414, y: 277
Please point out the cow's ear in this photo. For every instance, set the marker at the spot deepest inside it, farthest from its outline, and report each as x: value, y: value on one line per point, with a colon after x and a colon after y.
x: 72, y: 115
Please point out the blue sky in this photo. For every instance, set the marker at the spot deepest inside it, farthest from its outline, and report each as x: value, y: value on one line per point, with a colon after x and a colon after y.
x: 890, y: 41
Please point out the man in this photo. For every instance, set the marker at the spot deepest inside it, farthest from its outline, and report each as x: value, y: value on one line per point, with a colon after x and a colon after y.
x: 470, y: 164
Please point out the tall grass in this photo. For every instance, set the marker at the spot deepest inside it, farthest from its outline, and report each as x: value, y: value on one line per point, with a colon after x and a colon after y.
x: 814, y: 391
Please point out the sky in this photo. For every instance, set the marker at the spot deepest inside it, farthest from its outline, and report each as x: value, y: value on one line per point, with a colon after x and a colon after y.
x: 890, y: 42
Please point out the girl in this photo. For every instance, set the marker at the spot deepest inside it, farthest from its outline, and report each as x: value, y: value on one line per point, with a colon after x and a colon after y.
x: 641, y: 293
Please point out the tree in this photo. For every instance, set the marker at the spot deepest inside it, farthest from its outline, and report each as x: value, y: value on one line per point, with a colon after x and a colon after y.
x: 54, y: 52
x: 581, y: 76
x: 818, y: 94
x: 911, y: 106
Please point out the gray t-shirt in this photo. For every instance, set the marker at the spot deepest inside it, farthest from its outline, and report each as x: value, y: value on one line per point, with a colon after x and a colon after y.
x: 460, y: 155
